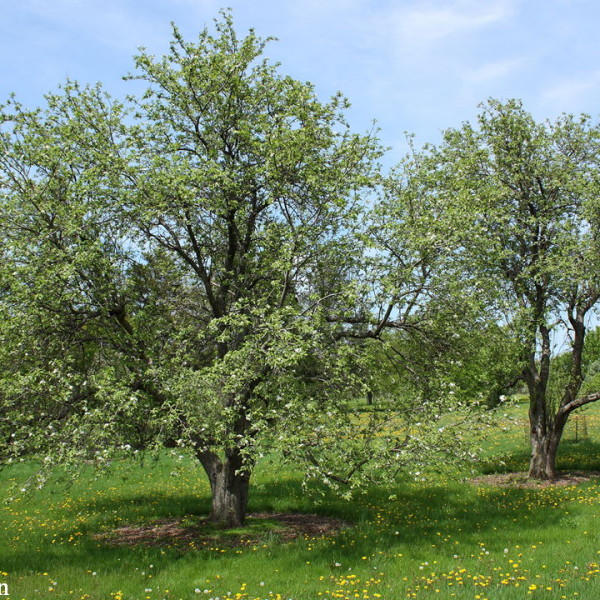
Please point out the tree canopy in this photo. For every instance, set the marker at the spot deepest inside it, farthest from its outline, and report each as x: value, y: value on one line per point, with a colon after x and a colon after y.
x: 519, y: 200
x: 202, y: 267
x: 220, y: 265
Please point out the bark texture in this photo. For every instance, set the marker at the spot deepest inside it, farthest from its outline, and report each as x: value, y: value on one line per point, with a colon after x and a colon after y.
x: 547, y: 425
x: 544, y: 448
x: 229, y: 485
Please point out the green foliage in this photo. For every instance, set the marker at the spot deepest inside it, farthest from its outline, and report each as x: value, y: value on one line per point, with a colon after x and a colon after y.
x: 205, y: 266
x: 516, y: 200
x: 167, y: 264
x: 591, y: 362
x: 219, y: 265
x: 521, y: 190
x: 451, y: 343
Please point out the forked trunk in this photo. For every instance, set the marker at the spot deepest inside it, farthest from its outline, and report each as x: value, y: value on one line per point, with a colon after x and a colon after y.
x: 229, y: 486
x: 546, y: 426
x: 544, y: 448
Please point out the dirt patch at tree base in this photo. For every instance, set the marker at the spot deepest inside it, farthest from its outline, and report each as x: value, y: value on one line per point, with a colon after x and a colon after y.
x: 520, y: 479
x: 201, y: 535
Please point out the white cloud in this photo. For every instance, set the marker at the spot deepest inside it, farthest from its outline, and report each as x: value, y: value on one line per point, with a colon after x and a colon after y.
x: 492, y: 71
x: 420, y: 65
x: 569, y: 94
x: 121, y: 25
x: 105, y: 22
x: 424, y: 24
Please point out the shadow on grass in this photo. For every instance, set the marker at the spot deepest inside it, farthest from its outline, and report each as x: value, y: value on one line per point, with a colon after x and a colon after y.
x: 412, y: 517
x: 581, y: 455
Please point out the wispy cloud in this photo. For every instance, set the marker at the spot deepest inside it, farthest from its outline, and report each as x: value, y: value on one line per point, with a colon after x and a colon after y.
x: 495, y: 70
x: 419, y: 65
x: 424, y: 23
x: 570, y: 93
x: 119, y: 25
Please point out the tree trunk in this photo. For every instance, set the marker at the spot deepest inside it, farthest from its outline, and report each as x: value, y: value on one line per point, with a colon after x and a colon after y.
x: 229, y: 486
x: 544, y: 447
x: 547, y: 428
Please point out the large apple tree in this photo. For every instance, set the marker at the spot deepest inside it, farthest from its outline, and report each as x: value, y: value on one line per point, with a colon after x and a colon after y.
x: 518, y: 201
x: 191, y: 268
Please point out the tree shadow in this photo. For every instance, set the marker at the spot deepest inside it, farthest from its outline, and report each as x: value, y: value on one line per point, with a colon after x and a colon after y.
x: 409, y: 516
x: 581, y: 455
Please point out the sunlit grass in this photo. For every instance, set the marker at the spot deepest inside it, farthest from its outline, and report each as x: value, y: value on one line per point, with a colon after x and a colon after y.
x: 507, y: 447
x: 440, y: 538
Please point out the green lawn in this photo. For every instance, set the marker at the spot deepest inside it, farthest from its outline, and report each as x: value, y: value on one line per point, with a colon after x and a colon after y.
x: 441, y: 538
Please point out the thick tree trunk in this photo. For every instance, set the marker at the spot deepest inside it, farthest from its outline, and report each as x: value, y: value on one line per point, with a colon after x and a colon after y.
x: 544, y: 448
x: 542, y: 464
x: 544, y: 441
x: 229, y: 487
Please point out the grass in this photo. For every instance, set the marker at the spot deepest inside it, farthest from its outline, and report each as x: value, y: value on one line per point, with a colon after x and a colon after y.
x: 440, y: 538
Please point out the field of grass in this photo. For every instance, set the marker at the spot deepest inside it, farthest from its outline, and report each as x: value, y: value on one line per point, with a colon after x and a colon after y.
x: 441, y: 538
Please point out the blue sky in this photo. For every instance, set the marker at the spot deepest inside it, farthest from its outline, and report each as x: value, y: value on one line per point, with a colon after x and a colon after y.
x: 413, y: 65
